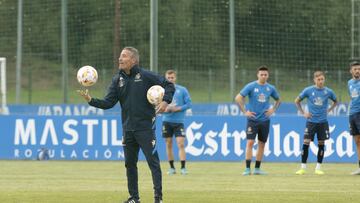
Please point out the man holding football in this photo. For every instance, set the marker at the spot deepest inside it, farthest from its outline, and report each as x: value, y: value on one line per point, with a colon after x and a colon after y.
x: 129, y: 87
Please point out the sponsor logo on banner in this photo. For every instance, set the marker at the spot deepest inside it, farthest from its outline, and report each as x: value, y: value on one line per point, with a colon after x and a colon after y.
x: 70, y: 139
x: 287, y: 145
x: 210, y: 138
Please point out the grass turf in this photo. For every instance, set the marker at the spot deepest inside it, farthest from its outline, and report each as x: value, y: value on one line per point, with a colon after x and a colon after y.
x: 100, y: 181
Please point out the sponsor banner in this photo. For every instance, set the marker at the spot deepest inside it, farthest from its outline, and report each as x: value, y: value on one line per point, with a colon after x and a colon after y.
x: 221, y: 109
x: 209, y: 138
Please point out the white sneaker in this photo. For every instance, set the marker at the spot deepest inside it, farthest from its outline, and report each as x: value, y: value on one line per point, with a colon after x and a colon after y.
x: 357, y: 172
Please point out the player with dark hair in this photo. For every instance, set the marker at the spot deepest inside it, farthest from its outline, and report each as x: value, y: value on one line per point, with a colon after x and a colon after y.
x: 258, y: 114
x: 129, y: 87
x: 317, y: 99
x: 354, y: 117
x: 173, y: 123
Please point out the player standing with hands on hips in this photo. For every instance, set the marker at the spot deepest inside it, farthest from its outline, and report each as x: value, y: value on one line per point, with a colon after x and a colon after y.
x: 173, y: 123
x: 354, y: 118
x: 258, y: 114
x: 317, y: 99
x: 129, y: 87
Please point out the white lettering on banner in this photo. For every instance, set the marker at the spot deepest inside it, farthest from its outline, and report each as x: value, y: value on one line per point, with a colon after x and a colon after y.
x: 329, y: 147
x: 71, y: 154
x: 28, y: 153
x: 90, y: 135
x: 213, y: 146
x: 237, y: 142
x: 49, y: 129
x: 16, y: 153
x: 228, y: 109
x: 115, y: 141
x: 26, y: 131
x: 224, y: 135
x: 86, y: 154
x: 72, y: 132
x: 295, y: 137
x: 24, y: 134
x: 57, y: 110
x: 349, y: 151
x: 290, y: 144
x: 105, y: 139
x: 234, y: 109
x: 267, y: 151
x: 277, y: 150
x: 107, y: 154
x: 191, y: 138
x: 211, y: 142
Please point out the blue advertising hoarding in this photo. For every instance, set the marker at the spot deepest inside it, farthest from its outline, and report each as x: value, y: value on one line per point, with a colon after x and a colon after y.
x: 216, y: 109
x: 209, y: 138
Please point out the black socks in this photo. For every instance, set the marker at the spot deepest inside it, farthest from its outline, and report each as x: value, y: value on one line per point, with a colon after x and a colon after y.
x: 320, y: 155
x: 304, y: 153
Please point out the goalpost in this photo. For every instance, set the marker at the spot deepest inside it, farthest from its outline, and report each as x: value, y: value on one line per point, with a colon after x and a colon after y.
x: 3, y: 108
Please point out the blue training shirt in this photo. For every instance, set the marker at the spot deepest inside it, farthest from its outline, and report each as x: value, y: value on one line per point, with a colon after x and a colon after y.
x: 317, y: 101
x: 354, y: 90
x: 181, y: 99
x: 259, y: 98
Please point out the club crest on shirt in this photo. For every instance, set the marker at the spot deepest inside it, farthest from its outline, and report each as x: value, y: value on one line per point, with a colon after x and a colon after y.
x: 121, y: 81
x: 137, y: 77
x: 268, y: 89
x: 318, y: 101
x: 354, y: 93
x: 256, y: 90
x: 249, y: 130
x: 262, y: 98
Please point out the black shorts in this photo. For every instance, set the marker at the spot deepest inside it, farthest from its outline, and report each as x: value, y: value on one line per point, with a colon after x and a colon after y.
x: 259, y: 128
x: 320, y: 129
x: 170, y: 129
x: 354, y: 121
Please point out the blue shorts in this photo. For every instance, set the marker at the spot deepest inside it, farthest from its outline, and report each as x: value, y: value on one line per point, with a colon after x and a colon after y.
x: 173, y: 129
x: 259, y: 128
x: 320, y: 129
x: 354, y: 121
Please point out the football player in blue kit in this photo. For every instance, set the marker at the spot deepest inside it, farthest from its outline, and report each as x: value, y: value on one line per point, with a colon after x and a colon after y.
x: 258, y: 112
x: 316, y: 119
x: 354, y: 117
x: 173, y: 123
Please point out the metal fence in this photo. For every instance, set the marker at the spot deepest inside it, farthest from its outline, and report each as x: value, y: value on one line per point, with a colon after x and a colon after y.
x: 294, y: 38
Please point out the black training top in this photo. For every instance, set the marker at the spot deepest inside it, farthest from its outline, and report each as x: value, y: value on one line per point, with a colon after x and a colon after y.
x: 130, y: 90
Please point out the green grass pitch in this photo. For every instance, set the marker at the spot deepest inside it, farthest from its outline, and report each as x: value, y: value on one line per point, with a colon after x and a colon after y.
x: 207, y: 182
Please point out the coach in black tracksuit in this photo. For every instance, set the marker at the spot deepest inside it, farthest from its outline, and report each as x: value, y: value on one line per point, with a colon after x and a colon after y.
x: 129, y: 87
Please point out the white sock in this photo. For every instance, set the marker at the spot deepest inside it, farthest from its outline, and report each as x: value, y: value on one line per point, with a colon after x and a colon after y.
x: 303, y: 166
x: 318, y: 166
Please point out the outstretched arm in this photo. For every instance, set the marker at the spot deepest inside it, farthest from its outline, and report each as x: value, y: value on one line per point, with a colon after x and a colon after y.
x: 110, y: 99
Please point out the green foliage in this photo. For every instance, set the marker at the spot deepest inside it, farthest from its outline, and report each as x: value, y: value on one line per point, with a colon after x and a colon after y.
x: 292, y: 37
